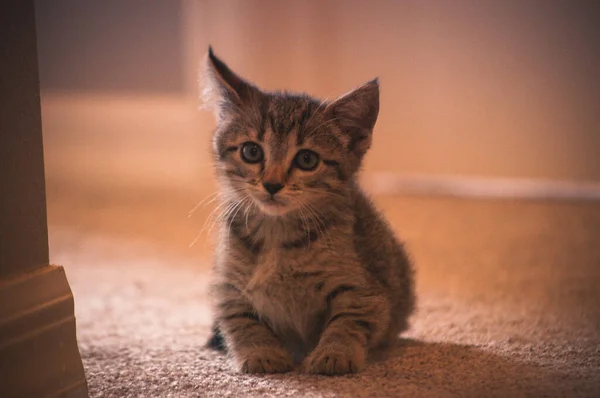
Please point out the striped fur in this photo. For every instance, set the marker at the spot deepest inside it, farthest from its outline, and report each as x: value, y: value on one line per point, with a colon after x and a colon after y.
x: 313, y: 275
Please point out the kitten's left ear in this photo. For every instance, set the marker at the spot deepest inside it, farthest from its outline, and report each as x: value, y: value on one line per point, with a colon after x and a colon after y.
x: 356, y: 114
x: 222, y: 90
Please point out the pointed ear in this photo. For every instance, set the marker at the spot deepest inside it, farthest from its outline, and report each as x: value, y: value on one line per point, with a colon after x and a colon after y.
x: 356, y: 114
x: 222, y: 90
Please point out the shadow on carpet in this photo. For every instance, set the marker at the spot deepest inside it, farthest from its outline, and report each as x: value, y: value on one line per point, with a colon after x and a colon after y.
x: 413, y: 368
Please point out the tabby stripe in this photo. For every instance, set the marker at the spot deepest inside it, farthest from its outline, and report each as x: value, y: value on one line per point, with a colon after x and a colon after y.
x: 227, y: 150
x: 320, y: 184
x: 303, y: 118
x: 336, y: 165
x: 306, y: 114
x: 263, y: 109
x: 357, y: 335
x: 362, y: 338
x: 256, y: 228
x: 272, y: 122
x: 302, y: 242
x: 228, y: 287
x: 235, y: 173
x: 290, y: 169
x: 243, y: 327
x: 366, y: 326
x: 289, y: 128
x: 355, y: 307
x: 355, y: 140
x: 337, y: 291
x: 239, y: 223
x: 241, y: 315
x: 343, y: 314
x: 252, y: 246
x: 307, y: 274
x: 229, y: 304
x: 313, y: 235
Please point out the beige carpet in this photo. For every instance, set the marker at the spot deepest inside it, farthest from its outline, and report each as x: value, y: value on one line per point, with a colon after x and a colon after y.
x: 509, y: 301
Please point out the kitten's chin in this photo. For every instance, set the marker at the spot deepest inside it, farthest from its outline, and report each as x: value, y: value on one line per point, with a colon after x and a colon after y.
x: 272, y: 208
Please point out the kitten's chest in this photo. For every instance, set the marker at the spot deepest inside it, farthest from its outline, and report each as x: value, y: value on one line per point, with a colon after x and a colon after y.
x: 275, y: 294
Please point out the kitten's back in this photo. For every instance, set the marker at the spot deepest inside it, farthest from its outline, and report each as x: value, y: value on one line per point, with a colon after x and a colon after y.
x: 384, y: 257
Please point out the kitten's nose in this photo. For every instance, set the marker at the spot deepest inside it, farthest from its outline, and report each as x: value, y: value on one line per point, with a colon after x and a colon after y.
x: 272, y: 188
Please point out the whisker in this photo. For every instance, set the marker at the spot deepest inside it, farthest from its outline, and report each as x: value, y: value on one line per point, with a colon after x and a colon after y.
x: 209, y: 217
x: 213, y: 195
x: 317, y: 218
x: 219, y: 216
x: 316, y: 112
x: 238, y: 208
x: 195, y: 240
x: 323, y: 124
x: 306, y: 226
x: 213, y: 213
x: 247, y: 211
x: 325, y: 193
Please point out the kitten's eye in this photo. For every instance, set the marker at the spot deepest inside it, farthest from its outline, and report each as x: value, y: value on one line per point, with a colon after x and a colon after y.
x: 252, y: 152
x: 306, y: 160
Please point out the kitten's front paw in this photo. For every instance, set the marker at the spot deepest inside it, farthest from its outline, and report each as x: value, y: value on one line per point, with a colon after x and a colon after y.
x: 264, y: 360
x: 335, y: 359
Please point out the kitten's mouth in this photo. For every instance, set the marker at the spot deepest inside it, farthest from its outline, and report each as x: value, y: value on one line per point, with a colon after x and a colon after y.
x: 273, y: 206
x: 274, y: 202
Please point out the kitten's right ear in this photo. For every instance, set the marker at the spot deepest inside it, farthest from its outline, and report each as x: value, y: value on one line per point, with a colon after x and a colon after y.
x: 222, y: 90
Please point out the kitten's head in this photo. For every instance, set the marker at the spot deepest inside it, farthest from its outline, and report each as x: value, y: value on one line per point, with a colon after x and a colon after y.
x: 281, y: 151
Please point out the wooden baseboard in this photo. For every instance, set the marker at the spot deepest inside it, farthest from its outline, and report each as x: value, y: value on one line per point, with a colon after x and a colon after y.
x: 481, y: 188
x: 39, y: 356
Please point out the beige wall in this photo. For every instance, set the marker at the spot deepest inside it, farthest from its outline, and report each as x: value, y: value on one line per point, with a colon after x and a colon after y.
x: 469, y: 88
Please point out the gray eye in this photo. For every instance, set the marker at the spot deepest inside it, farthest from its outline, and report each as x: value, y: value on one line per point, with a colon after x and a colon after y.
x: 306, y: 160
x: 251, y: 152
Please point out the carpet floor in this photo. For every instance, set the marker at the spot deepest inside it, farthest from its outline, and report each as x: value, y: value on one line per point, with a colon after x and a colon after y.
x: 508, y: 292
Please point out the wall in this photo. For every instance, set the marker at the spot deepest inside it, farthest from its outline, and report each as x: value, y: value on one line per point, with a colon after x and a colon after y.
x: 469, y: 88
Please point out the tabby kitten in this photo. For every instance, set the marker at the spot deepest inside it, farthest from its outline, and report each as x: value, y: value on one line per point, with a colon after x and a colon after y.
x: 307, y: 271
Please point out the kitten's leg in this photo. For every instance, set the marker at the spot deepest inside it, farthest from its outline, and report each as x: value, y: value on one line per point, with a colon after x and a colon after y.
x: 251, y: 342
x: 358, y: 320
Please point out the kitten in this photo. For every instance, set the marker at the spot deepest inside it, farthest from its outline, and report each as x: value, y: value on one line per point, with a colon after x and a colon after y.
x: 307, y: 271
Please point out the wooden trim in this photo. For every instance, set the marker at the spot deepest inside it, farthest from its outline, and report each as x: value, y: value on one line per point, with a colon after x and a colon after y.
x: 39, y: 356
x: 482, y: 188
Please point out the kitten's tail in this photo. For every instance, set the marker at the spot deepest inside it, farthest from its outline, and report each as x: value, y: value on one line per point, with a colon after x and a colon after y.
x: 216, y: 341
